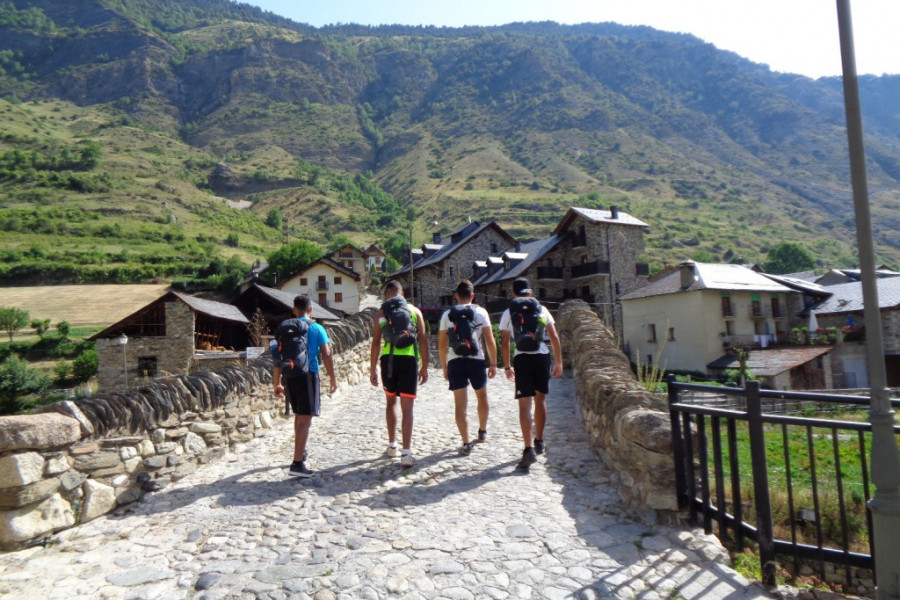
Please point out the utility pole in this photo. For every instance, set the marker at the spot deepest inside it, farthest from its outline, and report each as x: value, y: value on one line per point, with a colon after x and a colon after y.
x: 885, y: 461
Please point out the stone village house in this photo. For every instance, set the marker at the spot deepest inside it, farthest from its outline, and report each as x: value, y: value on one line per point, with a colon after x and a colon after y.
x: 176, y: 333
x: 592, y: 255
x: 442, y: 263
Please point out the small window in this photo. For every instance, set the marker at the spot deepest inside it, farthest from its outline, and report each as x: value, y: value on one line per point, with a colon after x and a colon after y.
x: 652, y: 333
x: 618, y: 289
x: 147, y: 366
x: 493, y: 248
x: 304, y: 281
x: 338, y: 280
x: 671, y: 334
x: 338, y: 296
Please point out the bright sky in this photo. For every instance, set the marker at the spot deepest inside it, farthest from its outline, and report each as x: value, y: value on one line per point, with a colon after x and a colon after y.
x: 795, y: 36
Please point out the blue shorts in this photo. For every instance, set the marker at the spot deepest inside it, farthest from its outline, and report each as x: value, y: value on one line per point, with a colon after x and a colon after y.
x: 462, y: 371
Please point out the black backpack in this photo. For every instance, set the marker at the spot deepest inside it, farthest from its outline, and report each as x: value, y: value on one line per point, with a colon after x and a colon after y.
x: 292, y: 347
x: 528, y: 330
x: 462, y: 334
x: 399, y: 331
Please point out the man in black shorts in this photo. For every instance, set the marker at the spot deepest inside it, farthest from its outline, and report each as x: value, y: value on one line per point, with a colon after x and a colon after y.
x: 400, y: 374
x: 531, y: 372
x: 303, y: 389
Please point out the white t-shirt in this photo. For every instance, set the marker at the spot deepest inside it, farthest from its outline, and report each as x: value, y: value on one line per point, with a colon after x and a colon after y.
x: 482, y: 319
x: 546, y: 318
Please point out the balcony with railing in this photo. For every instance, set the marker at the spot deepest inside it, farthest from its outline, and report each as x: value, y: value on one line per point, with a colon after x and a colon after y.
x: 594, y: 267
x: 321, y: 285
x: 759, y: 312
x: 550, y: 273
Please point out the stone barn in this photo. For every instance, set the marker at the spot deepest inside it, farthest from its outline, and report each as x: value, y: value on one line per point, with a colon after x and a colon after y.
x: 174, y: 334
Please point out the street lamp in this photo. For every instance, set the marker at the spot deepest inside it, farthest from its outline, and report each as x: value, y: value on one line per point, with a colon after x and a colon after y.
x: 123, y: 341
x: 885, y: 502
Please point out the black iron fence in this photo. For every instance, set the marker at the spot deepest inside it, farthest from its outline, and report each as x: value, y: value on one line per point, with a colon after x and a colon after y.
x: 797, y: 486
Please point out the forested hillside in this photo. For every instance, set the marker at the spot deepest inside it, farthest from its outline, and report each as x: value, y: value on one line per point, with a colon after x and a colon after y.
x: 133, y: 129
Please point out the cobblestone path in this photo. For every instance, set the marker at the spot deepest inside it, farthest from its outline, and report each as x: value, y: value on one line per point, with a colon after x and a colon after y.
x: 453, y: 527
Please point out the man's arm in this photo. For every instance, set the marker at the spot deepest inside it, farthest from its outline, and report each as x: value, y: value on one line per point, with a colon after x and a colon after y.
x: 325, y: 349
x: 376, y: 350
x: 504, y: 350
x: 423, y: 346
x: 443, y: 344
x: 490, y: 345
x: 557, y: 350
x: 276, y: 381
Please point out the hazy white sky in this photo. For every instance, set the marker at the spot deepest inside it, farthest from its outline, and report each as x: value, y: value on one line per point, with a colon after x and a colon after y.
x: 795, y: 36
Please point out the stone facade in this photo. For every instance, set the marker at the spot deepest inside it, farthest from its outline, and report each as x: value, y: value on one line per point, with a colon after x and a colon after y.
x: 77, y: 461
x: 434, y: 284
x: 629, y: 427
x: 172, y: 353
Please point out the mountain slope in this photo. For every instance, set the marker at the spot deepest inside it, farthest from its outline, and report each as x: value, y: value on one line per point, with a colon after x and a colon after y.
x: 721, y: 156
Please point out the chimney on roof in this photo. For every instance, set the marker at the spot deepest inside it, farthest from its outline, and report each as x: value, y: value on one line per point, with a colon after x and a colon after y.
x: 688, y: 275
x: 436, y: 237
x: 518, y: 246
x: 614, y: 212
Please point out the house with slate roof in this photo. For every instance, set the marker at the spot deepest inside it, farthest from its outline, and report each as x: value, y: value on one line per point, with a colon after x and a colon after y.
x: 438, y: 266
x: 175, y: 333
x: 843, y: 309
x: 276, y: 305
x: 592, y: 255
x: 331, y: 284
x: 686, y: 318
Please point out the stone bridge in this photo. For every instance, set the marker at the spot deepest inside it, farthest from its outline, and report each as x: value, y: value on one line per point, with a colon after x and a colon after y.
x: 193, y: 501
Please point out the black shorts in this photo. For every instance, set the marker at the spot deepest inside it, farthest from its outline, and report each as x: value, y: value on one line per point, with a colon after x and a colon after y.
x: 403, y: 378
x: 462, y: 371
x: 532, y: 374
x: 303, y: 392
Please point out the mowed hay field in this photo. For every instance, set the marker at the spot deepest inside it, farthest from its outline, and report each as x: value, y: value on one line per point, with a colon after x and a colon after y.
x: 95, y: 306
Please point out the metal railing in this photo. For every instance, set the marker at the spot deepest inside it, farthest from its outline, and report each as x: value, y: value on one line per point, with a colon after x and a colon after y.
x: 593, y: 267
x: 550, y: 273
x: 819, y: 478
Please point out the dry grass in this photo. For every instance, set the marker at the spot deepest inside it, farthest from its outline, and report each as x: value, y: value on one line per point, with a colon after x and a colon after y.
x: 81, y: 305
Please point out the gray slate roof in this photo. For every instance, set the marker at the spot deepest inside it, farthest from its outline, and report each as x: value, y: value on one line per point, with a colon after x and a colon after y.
x: 529, y: 253
x: 287, y: 299
x: 446, y: 250
x: 848, y: 297
x: 601, y: 216
x: 212, y: 308
x: 708, y: 276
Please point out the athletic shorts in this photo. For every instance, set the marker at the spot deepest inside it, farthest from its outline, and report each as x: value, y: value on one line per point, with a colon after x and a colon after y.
x: 532, y: 374
x: 403, y: 378
x: 462, y: 371
x: 303, y: 392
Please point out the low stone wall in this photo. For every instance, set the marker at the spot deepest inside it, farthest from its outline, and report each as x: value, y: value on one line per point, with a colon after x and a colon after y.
x: 79, y: 460
x: 629, y: 427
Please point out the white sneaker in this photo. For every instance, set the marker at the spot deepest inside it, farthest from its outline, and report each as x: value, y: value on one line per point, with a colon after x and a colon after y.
x: 407, y: 460
x: 392, y: 452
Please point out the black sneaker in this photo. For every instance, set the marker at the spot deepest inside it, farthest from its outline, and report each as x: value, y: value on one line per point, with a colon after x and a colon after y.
x: 482, y: 436
x: 299, y: 469
x: 538, y: 446
x: 466, y: 449
x: 528, y: 458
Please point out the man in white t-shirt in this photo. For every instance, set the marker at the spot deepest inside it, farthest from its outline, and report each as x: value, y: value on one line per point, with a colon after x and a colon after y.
x: 530, y: 369
x: 462, y: 330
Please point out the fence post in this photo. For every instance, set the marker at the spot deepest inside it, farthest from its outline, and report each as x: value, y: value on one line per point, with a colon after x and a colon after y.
x: 677, y: 444
x: 764, y: 529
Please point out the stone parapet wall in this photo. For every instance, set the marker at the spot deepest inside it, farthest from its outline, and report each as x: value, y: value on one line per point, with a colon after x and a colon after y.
x: 79, y: 460
x: 629, y: 427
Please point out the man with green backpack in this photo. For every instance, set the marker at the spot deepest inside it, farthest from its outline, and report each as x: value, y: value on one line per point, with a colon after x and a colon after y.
x: 399, y: 346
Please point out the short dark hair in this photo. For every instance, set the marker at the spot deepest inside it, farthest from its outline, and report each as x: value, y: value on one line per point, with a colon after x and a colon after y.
x: 302, y: 303
x: 394, y: 287
x: 521, y: 287
x: 465, y: 289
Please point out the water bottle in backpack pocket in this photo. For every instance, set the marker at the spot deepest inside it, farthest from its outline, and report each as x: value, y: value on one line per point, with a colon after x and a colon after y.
x: 527, y: 324
x: 461, y: 334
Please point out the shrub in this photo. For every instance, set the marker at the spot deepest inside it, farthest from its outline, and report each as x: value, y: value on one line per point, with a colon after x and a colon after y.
x: 85, y: 365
